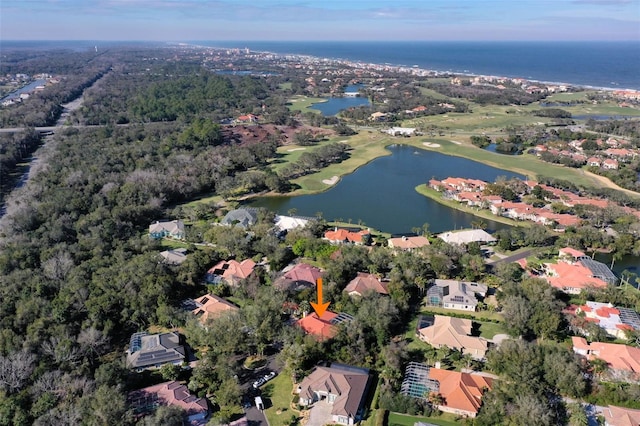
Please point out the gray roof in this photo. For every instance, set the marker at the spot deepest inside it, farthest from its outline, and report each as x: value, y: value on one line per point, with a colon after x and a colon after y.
x: 154, y: 350
x: 241, y: 217
x: 599, y: 270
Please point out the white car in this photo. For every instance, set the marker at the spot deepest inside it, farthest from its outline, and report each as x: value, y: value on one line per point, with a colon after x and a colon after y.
x: 261, y: 381
x: 269, y: 376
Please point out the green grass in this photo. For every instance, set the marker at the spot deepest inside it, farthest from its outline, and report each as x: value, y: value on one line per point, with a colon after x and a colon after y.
x: 302, y: 103
x: 489, y: 329
x: 279, y: 392
x: 445, y: 419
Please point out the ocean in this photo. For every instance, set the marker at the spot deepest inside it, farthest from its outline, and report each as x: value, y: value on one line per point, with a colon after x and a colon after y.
x: 614, y: 65
x: 602, y: 64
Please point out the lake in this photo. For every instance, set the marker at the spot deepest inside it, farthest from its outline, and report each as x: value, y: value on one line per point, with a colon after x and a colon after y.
x: 334, y: 105
x: 381, y: 194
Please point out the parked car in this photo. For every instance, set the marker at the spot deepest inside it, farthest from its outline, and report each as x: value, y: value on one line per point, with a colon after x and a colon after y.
x: 261, y: 381
x: 269, y: 376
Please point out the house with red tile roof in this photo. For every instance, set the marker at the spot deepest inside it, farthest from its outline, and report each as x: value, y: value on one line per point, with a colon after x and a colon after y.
x: 594, y: 161
x: 342, y: 236
x: 298, y: 277
x: 619, y: 416
x: 571, y: 278
x: 210, y: 307
x: 621, y: 359
x: 365, y: 283
x: 570, y: 254
x: 230, y: 271
x: 343, y: 387
x: 174, y: 394
x: 461, y: 392
x: 320, y: 327
x: 610, y: 164
x: 454, y: 333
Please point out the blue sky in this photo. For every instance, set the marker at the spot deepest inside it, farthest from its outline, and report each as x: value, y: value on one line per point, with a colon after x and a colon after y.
x: 182, y: 20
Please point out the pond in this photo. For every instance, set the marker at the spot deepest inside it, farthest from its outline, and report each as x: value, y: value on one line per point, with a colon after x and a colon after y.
x: 492, y: 148
x: 334, y: 105
x: 381, y: 194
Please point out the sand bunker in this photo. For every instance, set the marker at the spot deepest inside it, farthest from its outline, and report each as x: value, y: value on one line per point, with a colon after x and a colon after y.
x: 296, y: 149
x: 431, y: 145
x: 331, y: 181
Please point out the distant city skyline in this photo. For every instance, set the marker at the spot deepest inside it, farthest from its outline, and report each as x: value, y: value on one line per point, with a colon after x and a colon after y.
x: 186, y: 20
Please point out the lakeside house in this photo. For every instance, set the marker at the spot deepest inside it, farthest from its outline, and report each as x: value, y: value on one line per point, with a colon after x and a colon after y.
x: 574, y: 272
x: 343, y: 236
x: 615, y: 321
x: 467, y: 236
x: 408, y: 243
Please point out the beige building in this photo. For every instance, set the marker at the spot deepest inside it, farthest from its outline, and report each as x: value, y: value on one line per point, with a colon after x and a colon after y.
x: 454, y: 333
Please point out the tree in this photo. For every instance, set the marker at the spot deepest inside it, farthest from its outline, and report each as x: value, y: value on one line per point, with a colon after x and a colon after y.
x: 517, y: 312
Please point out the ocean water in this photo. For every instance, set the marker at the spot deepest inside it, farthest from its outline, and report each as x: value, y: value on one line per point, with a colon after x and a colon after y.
x: 598, y: 64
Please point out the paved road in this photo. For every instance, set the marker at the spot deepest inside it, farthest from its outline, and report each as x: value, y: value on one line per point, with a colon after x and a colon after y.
x: 511, y: 258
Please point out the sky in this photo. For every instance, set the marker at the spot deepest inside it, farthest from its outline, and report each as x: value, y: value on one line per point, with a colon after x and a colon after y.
x: 189, y: 20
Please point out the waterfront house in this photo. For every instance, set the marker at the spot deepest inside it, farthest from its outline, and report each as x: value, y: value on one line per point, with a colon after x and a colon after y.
x: 240, y: 217
x: 616, y: 322
x: 623, y: 361
x: 341, y: 236
x: 408, y: 243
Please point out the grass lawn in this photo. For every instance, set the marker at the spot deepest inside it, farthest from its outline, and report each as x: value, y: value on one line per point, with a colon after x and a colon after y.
x: 490, y: 329
x: 278, y: 393
x: 445, y: 419
x: 302, y: 103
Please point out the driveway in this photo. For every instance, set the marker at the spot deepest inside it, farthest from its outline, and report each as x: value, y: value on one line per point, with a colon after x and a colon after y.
x: 320, y: 414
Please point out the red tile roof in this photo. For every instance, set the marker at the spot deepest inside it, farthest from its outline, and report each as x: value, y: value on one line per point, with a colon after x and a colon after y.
x: 461, y: 391
x: 321, y: 327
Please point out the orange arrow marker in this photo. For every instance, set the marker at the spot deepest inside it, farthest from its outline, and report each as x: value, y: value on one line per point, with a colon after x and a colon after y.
x: 319, y: 307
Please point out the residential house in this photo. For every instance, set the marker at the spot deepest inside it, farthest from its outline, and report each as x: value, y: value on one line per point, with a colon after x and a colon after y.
x: 408, y: 243
x: 230, y: 271
x: 461, y: 392
x: 154, y: 350
x: 453, y: 294
x: 344, y: 387
x: 240, y: 217
x: 622, y: 360
x: 454, y: 333
x: 172, y: 229
x: 609, y: 318
x: 575, y: 272
x: 378, y: 116
x: 298, y: 277
x: 322, y: 328
x: 247, y: 118
x: 210, y: 306
x: 175, y: 256
x: 610, y: 164
x: 287, y: 223
x: 594, y: 162
x: 619, y: 416
x: 467, y: 236
x: 341, y: 236
x: 365, y: 283
x: 145, y: 401
x: 401, y: 131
